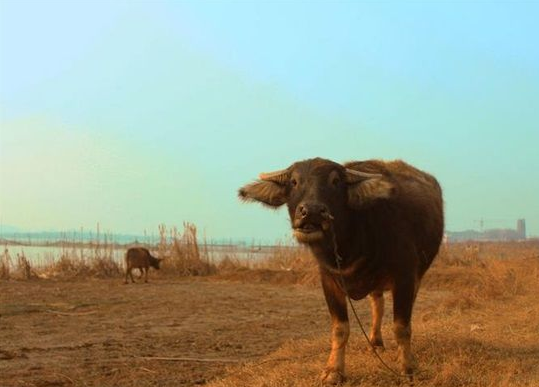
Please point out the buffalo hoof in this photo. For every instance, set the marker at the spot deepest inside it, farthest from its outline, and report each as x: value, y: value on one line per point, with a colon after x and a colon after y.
x: 409, y: 366
x: 409, y: 370
x: 332, y: 377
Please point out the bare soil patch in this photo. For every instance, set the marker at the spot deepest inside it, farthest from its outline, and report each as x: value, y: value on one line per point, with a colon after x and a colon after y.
x: 102, y: 333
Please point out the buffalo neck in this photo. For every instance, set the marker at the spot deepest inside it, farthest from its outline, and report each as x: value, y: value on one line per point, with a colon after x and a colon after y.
x: 347, y: 242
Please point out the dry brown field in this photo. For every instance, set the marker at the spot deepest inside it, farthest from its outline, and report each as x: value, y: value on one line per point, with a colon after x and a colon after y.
x: 476, y: 323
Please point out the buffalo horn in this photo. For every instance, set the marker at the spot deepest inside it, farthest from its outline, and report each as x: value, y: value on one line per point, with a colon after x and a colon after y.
x: 353, y: 176
x: 277, y: 176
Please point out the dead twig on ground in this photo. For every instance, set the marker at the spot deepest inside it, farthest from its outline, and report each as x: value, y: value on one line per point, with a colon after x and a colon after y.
x: 193, y: 359
x: 70, y: 313
x: 65, y: 376
x: 277, y: 359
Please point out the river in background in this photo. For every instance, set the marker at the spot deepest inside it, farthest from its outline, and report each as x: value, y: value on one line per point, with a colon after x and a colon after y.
x: 40, y: 256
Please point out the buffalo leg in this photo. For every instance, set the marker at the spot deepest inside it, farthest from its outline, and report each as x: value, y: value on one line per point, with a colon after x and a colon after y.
x: 131, y: 275
x: 376, y: 299
x: 403, y: 302
x: 340, y: 330
x: 127, y: 270
x: 141, y: 272
x: 146, y: 269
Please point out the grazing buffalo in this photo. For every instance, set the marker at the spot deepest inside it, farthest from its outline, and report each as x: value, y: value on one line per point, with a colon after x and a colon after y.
x: 383, y: 220
x: 139, y: 258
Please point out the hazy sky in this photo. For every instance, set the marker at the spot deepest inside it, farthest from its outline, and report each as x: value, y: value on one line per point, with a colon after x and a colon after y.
x: 133, y: 114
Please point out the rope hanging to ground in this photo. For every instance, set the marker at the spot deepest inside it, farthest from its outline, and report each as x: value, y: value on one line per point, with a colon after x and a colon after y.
x: 338, y: 261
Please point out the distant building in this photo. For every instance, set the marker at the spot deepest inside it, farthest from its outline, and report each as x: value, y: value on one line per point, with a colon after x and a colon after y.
x: 521, y: 228
x: 498, y: 234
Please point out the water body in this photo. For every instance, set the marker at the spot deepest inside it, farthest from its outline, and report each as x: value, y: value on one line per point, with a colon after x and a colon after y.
x: 40, y: 256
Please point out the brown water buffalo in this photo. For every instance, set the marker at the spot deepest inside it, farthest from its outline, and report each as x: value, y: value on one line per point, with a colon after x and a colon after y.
x: 139, y: 258
x: 383, y: 219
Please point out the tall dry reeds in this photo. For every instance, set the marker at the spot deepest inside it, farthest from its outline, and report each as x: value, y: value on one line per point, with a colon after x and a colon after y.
x: 182, y: 255
x: 5, y: 265
x: 21, y: 269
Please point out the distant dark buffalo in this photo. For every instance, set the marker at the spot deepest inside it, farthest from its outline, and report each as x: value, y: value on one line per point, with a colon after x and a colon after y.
x: 139, y: 258
x: 384, y: 219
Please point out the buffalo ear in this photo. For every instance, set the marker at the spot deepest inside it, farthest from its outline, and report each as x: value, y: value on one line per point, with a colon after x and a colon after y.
x: 366, y: 192
x: 267, y: 192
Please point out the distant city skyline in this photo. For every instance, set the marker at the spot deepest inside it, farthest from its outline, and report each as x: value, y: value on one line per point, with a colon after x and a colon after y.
x: 133, y: 114
x: 479, y: 225
x: 85, y: 235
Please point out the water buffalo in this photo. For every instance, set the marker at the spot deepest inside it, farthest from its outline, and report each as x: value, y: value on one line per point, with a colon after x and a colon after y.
x: 384, y: 220
x: 140, y: 258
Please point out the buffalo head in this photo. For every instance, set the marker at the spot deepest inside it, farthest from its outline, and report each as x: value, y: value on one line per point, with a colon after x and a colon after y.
x: 155, y: 262
x: 317, y: 193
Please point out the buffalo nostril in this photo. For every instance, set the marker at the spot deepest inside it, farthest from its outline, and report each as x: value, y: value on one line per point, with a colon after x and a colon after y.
x: 303, y: 211
x: 326, y: 214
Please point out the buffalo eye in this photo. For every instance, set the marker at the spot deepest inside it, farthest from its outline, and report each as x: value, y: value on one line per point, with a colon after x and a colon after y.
x: 293, y: 182
x: 334, y: 180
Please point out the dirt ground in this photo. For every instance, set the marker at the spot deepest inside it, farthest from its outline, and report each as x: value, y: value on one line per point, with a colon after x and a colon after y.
x: 473, y: 326
x: 99, y: 332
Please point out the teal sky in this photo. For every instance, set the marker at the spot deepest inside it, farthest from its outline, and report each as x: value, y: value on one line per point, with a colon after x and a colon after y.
x: 133, y: 114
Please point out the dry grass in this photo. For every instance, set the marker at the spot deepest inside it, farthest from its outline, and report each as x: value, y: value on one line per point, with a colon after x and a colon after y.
x: 452, y: 358
x: 487, y: 271
x: 66, y: 267
x: 476, y: 324
x: 283, y: 265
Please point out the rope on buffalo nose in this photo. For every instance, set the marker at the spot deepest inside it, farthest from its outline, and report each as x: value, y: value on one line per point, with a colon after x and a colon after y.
x: 338, y: 261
